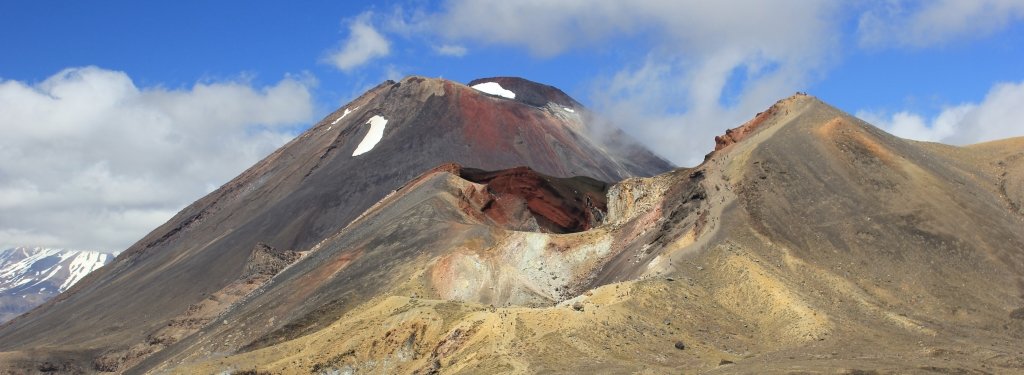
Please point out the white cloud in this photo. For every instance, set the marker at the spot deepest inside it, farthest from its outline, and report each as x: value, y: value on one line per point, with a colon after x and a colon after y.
x: 548, y: 28
x: 364, y: 43
x: 451, y: 50
x: 90, y: 160
x: 393, y: 73
x: 672, y: 97
x: 912, y: 23
x: 1000, y: 115
x: 703, y: 67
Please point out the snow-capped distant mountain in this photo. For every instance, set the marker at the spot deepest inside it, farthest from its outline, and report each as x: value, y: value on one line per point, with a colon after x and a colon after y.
x: 31, y: 275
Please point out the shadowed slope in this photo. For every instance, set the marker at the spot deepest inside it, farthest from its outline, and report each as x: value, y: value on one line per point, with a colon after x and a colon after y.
x: 299, y: 195
x: 436, y: 237
x: 813, y: 242
x: 808, y: 241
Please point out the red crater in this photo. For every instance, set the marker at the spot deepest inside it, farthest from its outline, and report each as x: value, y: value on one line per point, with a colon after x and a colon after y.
x: 560, y: 205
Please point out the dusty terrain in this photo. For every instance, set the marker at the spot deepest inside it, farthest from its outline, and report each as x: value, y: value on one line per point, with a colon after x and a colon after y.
x: 303, y: 193
x: 816, y: 244
x: 807, y: 242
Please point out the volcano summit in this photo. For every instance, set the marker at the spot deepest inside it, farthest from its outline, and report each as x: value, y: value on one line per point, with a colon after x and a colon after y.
x: 435, y: 227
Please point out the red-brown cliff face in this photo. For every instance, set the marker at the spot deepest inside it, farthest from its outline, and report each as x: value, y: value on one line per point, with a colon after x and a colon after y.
x: 560, y: 205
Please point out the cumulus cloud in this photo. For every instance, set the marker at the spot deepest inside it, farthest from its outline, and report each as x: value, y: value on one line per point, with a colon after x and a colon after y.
x: 451, y: 50
x: 364, y: 43
x: 912, y: 23
x: 674, y: 96
x: 999, y: 115
x: 90, y: 160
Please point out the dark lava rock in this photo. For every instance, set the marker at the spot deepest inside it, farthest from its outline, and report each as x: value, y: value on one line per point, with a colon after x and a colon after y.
x: 312, y: 188
x: 679, y: 345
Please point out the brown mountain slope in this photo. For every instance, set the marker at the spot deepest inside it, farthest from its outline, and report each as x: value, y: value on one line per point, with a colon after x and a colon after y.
x: 436, y: 237
x: 184, y: 274
x: 1004, y: 160
x: 812, y: 243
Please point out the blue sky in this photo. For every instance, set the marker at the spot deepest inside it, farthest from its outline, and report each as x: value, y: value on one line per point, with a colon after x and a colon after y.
x: 96, y: 96
x: 177, y: 44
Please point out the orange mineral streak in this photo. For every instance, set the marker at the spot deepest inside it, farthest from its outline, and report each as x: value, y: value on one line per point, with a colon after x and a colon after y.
x: 310, y: 282
x: 844, y: 133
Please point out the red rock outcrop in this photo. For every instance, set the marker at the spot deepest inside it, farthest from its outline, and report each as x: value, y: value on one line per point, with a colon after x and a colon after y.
x: 741, y: 132
x: 560, y: 205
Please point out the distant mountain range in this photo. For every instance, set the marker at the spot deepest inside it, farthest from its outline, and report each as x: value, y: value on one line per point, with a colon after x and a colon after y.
x: 31, y: 275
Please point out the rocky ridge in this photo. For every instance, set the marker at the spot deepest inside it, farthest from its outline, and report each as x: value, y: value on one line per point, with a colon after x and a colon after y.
x: 808, y: 240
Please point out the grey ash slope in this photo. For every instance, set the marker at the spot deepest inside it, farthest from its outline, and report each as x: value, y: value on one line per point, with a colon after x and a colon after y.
x: 809, y: 242
x: 300, y: 194
x: 853, y: 248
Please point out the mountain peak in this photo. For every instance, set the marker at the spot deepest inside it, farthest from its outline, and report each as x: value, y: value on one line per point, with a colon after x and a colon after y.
x: 778, y: 113
x: 530, y: 92
x: 809, y: 232
x: 302, y: 197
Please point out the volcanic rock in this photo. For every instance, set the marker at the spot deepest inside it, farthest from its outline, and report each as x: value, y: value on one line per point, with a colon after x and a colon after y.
x: 559, y: 206
x: 308, y: 191
x: 807, y: 233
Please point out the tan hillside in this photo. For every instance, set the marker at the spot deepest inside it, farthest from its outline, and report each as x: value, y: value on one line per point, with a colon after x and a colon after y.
x: 808, y: 242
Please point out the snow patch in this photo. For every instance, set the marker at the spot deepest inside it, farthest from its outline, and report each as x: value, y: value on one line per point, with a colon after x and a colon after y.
x: 373, y: 136
x: 82, y: 264
x: 494, y: 88
x: 342, y: 116
x: 570, y: 110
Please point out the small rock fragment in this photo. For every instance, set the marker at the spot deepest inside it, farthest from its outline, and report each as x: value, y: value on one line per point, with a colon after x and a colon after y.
x: 680, y: 345
x: 1017, y: 314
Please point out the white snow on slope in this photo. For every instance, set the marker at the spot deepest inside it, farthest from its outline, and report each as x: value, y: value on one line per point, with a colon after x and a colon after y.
x: 373, y: 136
x: 570, y: 110
x: 494, y: 88
x: 82, y: 264
x: 343, y: 115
